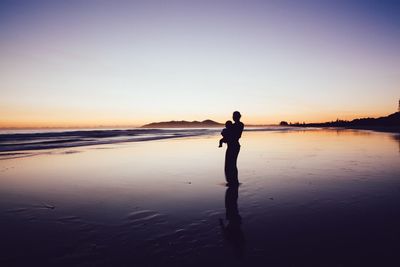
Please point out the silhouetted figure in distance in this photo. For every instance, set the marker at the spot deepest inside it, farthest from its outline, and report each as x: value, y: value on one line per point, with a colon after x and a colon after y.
x: 232, y: 152
x: 232, y: 231
x: 226, y: 133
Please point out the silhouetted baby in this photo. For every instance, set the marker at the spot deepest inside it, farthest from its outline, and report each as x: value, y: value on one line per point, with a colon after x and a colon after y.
x: 226, y: 133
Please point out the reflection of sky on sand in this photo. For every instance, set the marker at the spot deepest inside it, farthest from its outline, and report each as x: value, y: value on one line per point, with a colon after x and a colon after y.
x: 172, y: 189
x: 152, y: 174
x: 170, y: 174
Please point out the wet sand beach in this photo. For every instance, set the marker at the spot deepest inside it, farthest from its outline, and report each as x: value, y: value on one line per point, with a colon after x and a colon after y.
x: 307, y: 198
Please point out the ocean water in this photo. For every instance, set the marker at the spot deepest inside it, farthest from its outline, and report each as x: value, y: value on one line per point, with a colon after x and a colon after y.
x: 61, y: 138
x: 12, y: 141
x: 308, y: 197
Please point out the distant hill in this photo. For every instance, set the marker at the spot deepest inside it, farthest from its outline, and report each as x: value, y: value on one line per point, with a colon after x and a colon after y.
x: 183, y: 124
x: 388, y: 123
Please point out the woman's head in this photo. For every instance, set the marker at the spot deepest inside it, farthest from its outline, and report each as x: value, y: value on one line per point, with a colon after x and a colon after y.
x: 236, y: 116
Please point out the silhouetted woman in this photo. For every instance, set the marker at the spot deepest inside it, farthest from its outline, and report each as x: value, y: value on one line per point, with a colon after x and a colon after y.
x: 232, y: 152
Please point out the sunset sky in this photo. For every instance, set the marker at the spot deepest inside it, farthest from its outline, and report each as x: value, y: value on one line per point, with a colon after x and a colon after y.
x: 126, y: 63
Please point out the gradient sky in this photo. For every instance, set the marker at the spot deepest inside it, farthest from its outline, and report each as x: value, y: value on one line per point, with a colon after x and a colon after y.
x: 91, y: 63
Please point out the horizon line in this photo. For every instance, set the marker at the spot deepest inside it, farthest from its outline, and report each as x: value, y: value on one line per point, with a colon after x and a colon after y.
x: 27, y: 127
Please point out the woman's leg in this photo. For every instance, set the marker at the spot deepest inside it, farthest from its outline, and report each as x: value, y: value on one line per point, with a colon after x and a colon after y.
x: 231, y: 171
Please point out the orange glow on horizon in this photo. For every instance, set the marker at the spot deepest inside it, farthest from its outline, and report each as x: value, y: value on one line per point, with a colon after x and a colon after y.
x: 76, y: 119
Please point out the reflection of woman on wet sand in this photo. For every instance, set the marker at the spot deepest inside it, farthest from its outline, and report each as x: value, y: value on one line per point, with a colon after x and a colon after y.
x: 232, y: 152
x: 232, y: 230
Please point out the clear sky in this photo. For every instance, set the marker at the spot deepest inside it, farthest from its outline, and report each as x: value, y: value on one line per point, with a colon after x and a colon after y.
x: 91, y: 63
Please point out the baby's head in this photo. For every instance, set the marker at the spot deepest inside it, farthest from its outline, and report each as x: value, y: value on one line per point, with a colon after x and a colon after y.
x: 228, y: 124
